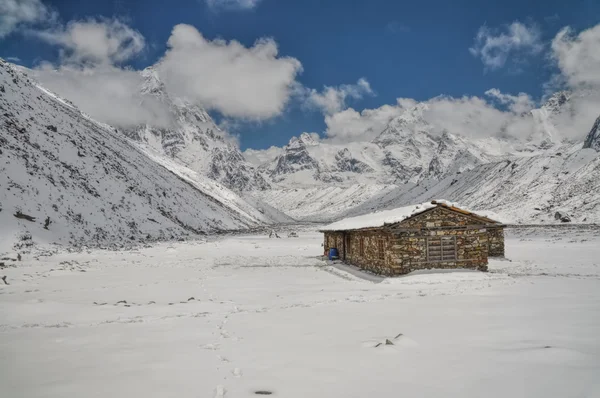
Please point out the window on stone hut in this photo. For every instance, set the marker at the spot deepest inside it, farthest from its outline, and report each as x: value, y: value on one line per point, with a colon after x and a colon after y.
x: 380, y: 252
x: 441, y: 248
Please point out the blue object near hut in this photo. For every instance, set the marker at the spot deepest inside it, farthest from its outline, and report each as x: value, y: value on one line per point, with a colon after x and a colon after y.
x: 333, y: 254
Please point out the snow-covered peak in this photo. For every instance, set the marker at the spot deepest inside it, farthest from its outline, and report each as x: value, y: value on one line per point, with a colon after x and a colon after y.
x: 410, y: 125
x: 308, y: 139
x: 556, y: 102
x: 151, y: 82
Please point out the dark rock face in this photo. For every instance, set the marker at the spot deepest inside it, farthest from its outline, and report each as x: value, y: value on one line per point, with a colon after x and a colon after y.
x: 562, y: 216
x: 345, y: 162
x: 593, y: 138
x: 294, y: 158
x: 229, y: 167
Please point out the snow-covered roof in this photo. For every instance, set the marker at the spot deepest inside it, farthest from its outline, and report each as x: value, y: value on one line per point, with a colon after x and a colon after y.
x: 379, y: 219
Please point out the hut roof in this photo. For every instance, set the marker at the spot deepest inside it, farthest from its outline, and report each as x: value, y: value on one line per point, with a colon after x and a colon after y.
x: 381, y: 218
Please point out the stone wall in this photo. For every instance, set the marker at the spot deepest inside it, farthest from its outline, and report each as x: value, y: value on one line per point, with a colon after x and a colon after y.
x: 371, y: 258
x: 334, y: 239
x: 349, y: 247
x: 496, y: 242
x: 471, y: 250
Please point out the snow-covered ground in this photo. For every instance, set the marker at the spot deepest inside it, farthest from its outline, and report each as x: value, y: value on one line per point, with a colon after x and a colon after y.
x: 231, y: 316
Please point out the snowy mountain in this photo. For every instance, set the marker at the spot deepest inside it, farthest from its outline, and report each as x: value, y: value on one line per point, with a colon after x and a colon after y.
x: 194, y: 140
x: 407, y: 150
x: 408, y: 162
x: 69, y: 179
x: 593, y: 138
x: 523, y: 189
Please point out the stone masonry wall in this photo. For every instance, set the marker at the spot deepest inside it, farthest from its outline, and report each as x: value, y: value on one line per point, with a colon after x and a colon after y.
x: 334, y: 239
x: 471, y: 250
x: 496, y: 242
x: 371, y: 259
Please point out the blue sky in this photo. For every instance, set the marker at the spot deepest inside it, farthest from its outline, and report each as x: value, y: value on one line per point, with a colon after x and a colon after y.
x: 407, y: 49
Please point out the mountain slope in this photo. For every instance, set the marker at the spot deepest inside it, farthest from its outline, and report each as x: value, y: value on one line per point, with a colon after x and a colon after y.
x: 523, y: 189
x: 320, y: 203
x: 89, y: 182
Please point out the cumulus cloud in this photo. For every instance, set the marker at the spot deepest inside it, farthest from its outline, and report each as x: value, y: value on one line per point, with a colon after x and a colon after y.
x: 88, y: 73
x: 18, y: 13
x: 103, y: 41
x: 495, y: 46
x: 232, y: 4
x: 107, y: 93
x: 519, y: 103
x: 333, y: 99
x: 254, y: 82
x: 350, y: 125
x: 468, y: 116
x: 578, y: 56
x: 473, y: 116
x: 250, y: 83
x: 259, y: 157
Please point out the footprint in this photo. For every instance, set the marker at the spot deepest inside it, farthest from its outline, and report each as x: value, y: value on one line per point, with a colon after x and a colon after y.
x: 222, y: 359
x: 220, y: 391
x: 211, y: 346
x: 237, y: 372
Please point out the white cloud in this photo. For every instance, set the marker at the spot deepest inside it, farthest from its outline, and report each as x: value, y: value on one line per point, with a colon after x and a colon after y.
x: 474, y: 117
x: 494, y: 47
x: 232, y: 4
x: 519, y: 103
x: 468, y: 116
x: 17, y: 13
x: 578, y: 59
x: 333, y: 99
x: 258, y: 157
x: 88, y: 74
x: 104, y: 41
x: 254, y: 83
x: 578, y: 56
x: 107, y: 93
x: 350, y: 125
x: 13, y: 59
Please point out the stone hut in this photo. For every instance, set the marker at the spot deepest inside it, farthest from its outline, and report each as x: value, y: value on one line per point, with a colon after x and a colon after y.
x: 436, y: 234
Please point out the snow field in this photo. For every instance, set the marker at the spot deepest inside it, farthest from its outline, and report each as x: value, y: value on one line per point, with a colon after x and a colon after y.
x: 232, y: 316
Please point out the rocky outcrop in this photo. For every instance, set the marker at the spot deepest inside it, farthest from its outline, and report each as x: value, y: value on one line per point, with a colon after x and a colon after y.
x: 294, y: 158
x: 593, y: 138
x: 346, y: 163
